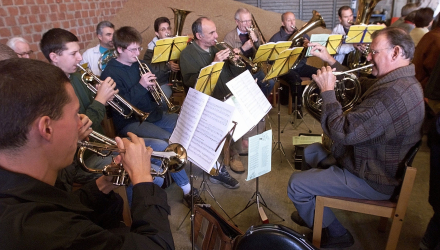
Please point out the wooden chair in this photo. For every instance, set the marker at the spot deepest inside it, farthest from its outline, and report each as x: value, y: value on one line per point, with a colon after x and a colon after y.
x: 304, y: 81
x: 126, y: 214
x: 385, y: 209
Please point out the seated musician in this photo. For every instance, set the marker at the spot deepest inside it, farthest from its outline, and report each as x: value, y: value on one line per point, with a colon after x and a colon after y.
x: 246, y: 41
x: 38, y: 140
x: 104, y: 31
x: 287, y: 29
x: 161, y: 70
x: 202, y: 53
x: 58, y: 45
x: 369, y: 141
x: 20, y: 46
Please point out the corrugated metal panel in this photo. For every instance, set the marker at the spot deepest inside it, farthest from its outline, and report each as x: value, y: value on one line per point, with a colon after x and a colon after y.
x: 250, y: 2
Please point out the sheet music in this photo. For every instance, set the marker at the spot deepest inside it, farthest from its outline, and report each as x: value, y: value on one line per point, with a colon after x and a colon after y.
x: 317, y: 38
x: 250, y: 97
x: 260, y: 155
x: 189, y: 116
x: 241, y: 116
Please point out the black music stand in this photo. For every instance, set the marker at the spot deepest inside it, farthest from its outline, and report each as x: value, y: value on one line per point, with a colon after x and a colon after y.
x: 278, y: 145
x: 296, y: 112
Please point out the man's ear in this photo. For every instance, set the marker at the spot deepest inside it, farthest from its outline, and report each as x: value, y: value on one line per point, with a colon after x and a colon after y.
x: 53, y: 57
x: 100, y: 37
x: 44, y: 127
x: 119, y: 50
x: 157, y: 34
x: 198, y: 36
x: 397, y: 50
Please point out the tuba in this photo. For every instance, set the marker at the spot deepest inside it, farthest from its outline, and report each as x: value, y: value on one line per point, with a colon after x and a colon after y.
x: 88, y: 77
x: 356, y: 58
x: 179, y: 19
x: 297, y: 37
x: 347, y: 90
x: 173, y: 158
x: 105, y: 58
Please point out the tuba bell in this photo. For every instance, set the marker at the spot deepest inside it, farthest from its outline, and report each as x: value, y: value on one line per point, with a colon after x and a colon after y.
x: 173, y: 158
x: 297, y: 37
x: 105, y: 58
x: 347, y: 90
x: 356, y: 58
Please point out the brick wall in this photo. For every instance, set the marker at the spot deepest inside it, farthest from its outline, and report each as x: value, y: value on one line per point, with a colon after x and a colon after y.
x: 31, y: 18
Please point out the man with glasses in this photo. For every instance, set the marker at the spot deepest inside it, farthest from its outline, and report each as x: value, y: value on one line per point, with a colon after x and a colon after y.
x: 20, y: 46
x: 369, y: 142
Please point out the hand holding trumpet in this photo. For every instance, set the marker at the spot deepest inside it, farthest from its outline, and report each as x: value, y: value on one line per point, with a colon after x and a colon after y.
x: 106, y: 91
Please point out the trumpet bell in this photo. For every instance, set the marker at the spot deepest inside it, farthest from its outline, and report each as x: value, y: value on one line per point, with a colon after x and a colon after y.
x: 177, y: 162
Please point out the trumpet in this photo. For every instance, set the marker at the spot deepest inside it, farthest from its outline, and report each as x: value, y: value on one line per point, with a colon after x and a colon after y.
x: 87, y: 77
x: 173, y: 158
x: 241, y: 62
x: 156, y: 91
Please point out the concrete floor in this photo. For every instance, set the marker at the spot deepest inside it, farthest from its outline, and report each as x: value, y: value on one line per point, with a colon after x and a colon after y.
x: 273, y: 189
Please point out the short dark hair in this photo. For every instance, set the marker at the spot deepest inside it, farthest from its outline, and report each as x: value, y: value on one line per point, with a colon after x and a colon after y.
x: 398, y: 37
x: 6, y: 52
x: 345, y: 7
x: 159, y: 21
x: 423, y: 17
x: 22, y: 105
x: 103, y: 25
x: 197, y: 26
x: 408, y: 8
x: 124, y: 36
x: 55, y: 40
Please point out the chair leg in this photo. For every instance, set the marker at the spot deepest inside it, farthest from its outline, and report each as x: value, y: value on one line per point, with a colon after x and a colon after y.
x: 126, y: 212
x: 317, y: 225
x: 393, y: 237
x: 383, y: 224
x: 290, y: 101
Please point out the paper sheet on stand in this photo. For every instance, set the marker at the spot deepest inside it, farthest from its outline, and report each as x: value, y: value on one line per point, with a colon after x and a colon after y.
x: 260, y: 155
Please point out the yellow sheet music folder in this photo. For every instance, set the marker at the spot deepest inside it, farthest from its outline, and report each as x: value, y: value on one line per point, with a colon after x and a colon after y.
x: 284, y: 62
x: 356, y: 33
x: 370, y: 30
x: 333, y: 44
x: 270, y: 51
x: 278, y: 48
x: 165, y: 47
x: 208, y: 78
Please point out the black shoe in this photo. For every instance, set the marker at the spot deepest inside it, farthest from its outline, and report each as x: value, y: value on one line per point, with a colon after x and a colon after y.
x: 343, y: 241
x: 298, y: 220
x: 225, y: 179
x: 197, y: 198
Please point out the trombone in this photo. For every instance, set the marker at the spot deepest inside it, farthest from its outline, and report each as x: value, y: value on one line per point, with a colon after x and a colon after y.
x: 156, y: 90
x: 88, y: 77
x: 173, y: 158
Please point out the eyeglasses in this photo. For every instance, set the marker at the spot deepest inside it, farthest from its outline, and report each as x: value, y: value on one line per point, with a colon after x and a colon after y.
x: 30, y: 52
x: 165, y: 29
x: 245, y: 21
x: 374, y: 52
x: 135, y: 50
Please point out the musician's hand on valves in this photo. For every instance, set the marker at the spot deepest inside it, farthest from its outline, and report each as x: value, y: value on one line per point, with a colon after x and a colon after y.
x: 174, y: 66
x: 321, y: 52
x: 361, y: 47
x: 147, y: 80
x: 247, y: 45
x: 221, y: 55
x: 252, y: 35
x: 85, y: 129
x: 325, y: 79
x: 135, y: 159
x: 106, y: 91
x: 305, y: 42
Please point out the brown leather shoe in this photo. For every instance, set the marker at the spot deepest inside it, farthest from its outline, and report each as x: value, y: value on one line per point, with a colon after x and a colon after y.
x: 236, y: 164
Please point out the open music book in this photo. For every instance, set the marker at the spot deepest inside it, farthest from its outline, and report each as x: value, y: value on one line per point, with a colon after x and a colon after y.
x: 208, y: 77
x: 168, y: 49
x: 203, y: 122
x: 249, y: 101
x: 362, y: 33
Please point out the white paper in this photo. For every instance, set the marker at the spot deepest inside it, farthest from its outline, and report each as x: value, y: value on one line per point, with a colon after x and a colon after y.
x: 249, y: 96
x: 317, y: 38
x: 202, y: 125
x: 260, y: 155
x: 306, y: 140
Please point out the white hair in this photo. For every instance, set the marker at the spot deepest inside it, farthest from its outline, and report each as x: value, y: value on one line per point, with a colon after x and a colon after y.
x: 239, y: 11
x: 11, y: 42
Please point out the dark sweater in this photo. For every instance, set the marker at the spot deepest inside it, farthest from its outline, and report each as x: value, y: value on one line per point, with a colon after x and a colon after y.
x: 127, y: 81
x: 372, y: 139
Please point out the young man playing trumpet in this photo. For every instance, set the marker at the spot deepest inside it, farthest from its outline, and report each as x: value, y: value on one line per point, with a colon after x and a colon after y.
x: 61, y: 48
x: 39, y: 139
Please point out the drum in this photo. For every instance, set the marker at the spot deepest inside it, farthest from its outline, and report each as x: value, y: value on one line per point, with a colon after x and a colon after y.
x: 272, y: 236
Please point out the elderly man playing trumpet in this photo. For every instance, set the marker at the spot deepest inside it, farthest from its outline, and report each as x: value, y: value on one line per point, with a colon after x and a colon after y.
x: 369, y: 141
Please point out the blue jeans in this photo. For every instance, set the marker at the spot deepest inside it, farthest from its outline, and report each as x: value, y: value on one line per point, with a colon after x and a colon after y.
x: 161, y: 129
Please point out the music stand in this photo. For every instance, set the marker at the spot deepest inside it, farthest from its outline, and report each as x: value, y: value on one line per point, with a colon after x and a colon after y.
x: 296, y: 112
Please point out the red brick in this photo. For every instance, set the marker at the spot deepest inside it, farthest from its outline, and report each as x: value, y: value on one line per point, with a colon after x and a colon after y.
x: 53, y: 7
x: 73, y: 23
x: 53, y: 17
x: 38, y: 28
x: 12, y: 11
x: 65, y: 24
x: 3, y: 12
x: 93, y: 6
x: 70, y: 16
x: 7, y: 2
x: 77, y: 14
x: 35, y: 9
x: 2, y: 23
x: 77, y: 6
x: 29, y: 2
x: 28, y: 29
x: 85, y: 14
x: 50, y: 1
x: 62, y: 16
x: 33, y: 19
x: 43, y: 18
x: 10, y: 21
x: 5, y: 32
x: 22, y: 20
x: 24, y: 10
x: 36, y: 37
x: 18, y: 2
x: 28, y: 37
x: 62, y: 7
x: 44, y: 9
x: 40, y: 2
x: 85, y: 6
x: 89, y: 37
x: 16, y: 31
x: 56, y: 24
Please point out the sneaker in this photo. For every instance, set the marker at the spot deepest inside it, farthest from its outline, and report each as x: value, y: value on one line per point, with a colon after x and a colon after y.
x: 343, y: 241
x: 197, y: 198
x: 298, y: 220
x: 225, y: 179
x: 236, y: 164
